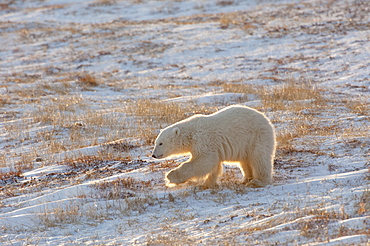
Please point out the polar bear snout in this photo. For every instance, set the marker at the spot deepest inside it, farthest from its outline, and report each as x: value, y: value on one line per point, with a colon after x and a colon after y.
x: 158, y: 151
x: 157, y: 156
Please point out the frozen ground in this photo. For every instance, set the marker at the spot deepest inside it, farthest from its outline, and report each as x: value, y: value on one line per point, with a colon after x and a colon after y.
x: 85, y: 86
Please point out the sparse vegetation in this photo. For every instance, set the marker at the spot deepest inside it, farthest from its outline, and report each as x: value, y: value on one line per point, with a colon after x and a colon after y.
x: 241, y: 88
x: 363, y: 207
x: 83, y: 100
x: 117, y: 188
x: 358, y: 106
x: 152, y: 111
x: 153, y: 115
x: 294, y: 95
x: 87, y: 80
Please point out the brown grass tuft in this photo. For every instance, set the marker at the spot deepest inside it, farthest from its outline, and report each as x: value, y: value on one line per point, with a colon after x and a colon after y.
x: 296, y: 94
x: 10, y: 175
x: 317, y: 225
x: 363, y: 207
x: 115, y: 188
x: 153, y: 115
x: 358, y: 106
x: 151, y: 110
x: 58, y: 110
x: 87, y: 80
x: 235, y: 19
x: 240, y: 88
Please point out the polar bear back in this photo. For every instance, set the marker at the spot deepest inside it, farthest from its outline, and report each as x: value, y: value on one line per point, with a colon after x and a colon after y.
x: 232, y: 132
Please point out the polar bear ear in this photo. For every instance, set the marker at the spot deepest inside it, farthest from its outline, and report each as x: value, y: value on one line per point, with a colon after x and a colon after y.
x: 176, y: 130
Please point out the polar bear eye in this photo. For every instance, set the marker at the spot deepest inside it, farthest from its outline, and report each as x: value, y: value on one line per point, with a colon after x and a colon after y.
x: 160, y: 144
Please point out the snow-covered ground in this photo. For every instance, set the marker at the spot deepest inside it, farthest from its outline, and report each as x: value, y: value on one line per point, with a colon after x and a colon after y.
x: 86, y: 85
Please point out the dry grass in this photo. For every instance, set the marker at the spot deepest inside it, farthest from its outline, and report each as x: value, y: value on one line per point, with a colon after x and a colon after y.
x: 69, y: 123
x: 359, y: 106
x: 153, y: 115
x: 78, y: 169
x: 151, y: 110
x: 363, y: 207
x: 5, y: 100
x: 121, y: 187
x: 294, y: 95
x: 318, y: 224
x: 295, y: 90
x: 3, y: 158
x: 10, y: 175
x: 227, y: 20
x: 73, y: 124
x: 300, y: 126
x: 62, y: 87
x: 104, y: 2
x: 173, y: 236
x: 87, y: 80
x: 320, y: 221
x: 240, y: 88
x: 58, y: 111
x: 231, y: 179
x: 68, y: 214
x: 77, y: 212
x: 89, y: 162
x: 236, y: 19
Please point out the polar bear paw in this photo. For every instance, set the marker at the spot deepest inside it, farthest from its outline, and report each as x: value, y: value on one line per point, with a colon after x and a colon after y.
x: 255, y: 183
x: 174, y: 178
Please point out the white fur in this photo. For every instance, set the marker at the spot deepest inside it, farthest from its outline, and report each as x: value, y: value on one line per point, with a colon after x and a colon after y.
x: 235, y: 134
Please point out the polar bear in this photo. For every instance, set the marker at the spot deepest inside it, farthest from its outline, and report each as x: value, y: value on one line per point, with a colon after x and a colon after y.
x: 233, y: 134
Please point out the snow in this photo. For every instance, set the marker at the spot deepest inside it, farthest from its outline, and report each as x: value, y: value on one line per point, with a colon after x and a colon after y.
x: 75, y: 167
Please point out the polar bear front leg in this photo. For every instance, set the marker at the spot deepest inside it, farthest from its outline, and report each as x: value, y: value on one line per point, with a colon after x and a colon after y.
x: 194, y: 168
x: 246, y: 170
x: 262, y: 168
x: 175, y: 177
x: 211, y: 180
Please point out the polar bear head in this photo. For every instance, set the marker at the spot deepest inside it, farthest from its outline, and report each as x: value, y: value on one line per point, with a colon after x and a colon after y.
x: 168, y: 143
